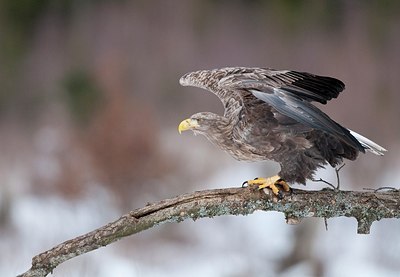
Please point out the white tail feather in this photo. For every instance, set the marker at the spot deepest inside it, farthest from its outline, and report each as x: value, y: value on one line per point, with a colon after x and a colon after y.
x: 369, y: 144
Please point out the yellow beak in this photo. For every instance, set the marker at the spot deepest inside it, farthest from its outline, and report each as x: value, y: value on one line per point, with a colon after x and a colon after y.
x: 187, y: 124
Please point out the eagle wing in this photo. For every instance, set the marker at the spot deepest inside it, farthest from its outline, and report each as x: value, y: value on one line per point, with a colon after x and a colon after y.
x: 304, y: 85
x: 290, y: 93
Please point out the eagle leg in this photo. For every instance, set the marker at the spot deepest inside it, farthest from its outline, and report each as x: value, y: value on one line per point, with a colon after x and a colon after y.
x: 275, y: 183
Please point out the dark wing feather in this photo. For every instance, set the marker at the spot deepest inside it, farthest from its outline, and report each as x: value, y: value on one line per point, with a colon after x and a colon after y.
x: 307, y: 86
x: 226, y: 82
x: 305, y: 113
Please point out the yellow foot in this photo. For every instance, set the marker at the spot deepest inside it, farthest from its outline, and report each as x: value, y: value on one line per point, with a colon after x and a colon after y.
x: 275, y: 183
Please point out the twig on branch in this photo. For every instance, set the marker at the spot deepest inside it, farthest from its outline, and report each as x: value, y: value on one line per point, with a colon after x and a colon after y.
x: 365, y: 206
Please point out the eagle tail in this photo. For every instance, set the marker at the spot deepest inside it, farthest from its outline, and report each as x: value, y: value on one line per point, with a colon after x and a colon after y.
x: 369, y: 145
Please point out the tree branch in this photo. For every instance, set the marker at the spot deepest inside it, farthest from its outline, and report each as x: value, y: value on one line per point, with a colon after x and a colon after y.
x: 365, y: 206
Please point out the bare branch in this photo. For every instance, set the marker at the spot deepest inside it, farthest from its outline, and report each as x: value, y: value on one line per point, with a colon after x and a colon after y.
x: 365, y: 206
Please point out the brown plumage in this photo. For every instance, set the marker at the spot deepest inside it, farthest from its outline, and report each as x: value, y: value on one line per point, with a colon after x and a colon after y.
x: 269, y: 116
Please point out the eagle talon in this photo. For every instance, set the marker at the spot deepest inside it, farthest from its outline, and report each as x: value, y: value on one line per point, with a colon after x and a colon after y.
x: 278, y: 186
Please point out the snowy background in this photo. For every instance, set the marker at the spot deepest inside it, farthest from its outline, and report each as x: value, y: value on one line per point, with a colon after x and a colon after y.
x: 89, y: 108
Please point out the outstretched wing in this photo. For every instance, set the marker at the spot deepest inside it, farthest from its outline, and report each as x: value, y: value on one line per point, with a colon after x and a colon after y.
x: 225, y: 82
x: 304, y: 85
x: 290, y: 94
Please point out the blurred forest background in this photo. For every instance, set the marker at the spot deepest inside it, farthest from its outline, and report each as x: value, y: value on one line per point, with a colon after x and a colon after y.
x: 89, y: 107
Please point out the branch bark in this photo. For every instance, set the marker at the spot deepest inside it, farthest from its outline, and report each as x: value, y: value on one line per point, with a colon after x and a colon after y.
x: 365, y: 206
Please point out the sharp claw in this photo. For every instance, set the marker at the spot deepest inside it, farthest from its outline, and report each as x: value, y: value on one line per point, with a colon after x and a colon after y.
x: 278, y: 186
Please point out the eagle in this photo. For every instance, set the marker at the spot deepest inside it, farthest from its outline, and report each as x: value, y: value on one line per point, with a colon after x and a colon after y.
x: 269, y: 115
